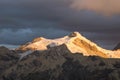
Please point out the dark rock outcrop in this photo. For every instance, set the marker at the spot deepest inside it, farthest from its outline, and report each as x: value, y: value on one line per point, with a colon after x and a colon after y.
x: 8, y: 58
x: 117, y: 47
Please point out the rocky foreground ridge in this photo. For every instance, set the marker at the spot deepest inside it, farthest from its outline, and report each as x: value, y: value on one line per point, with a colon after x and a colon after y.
x: 58, y: 62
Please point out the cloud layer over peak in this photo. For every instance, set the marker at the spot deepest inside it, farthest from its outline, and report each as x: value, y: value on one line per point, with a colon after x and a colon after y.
x: 23, y: 20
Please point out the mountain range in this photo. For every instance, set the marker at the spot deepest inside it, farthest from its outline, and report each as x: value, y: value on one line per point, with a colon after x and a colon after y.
x: 71, y: 57
x: 75, y: 43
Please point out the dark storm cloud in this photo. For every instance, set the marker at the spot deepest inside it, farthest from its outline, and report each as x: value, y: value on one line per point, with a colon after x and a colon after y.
x: 8, y: 36
x: 23, y: 20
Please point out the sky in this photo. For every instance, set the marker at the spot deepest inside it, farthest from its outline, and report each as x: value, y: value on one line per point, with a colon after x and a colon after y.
x: 23, y: 20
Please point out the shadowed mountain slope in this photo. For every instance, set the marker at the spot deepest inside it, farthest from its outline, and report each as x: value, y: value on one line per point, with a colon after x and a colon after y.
x: 58, y: 63
x: 117, y: 47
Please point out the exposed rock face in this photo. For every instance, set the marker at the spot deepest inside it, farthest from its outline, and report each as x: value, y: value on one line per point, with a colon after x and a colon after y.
x: 4, y: 50
x: 74, y: 34
x: 117, y: 47
x: 57, y: 63
x: 8, y: 58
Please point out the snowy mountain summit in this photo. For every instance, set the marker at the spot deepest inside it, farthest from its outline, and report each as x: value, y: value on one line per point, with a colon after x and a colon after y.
x: 75, y: 42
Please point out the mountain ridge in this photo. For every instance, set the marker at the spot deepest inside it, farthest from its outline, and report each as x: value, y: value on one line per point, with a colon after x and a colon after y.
x: 75, y: 58
x: 75, y: 42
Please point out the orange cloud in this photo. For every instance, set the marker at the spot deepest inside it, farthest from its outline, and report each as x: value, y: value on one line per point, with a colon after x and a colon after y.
x: 107, y: 7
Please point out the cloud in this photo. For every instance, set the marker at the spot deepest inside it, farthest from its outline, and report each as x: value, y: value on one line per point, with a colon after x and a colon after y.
x: 10, y: 46
x: 107, y: 7
x: 21, y: 36
x: 23, y: 20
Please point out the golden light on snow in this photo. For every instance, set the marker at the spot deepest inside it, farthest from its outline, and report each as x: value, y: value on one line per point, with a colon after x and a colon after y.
x: 75, y: 42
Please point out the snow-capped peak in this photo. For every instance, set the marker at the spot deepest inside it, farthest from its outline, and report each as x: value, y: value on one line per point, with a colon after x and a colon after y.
x: 75, y: 42
x: 41, y: 43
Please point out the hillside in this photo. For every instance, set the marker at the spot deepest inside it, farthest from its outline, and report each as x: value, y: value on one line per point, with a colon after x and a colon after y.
x: 58, y: 63
x: 71, y: 57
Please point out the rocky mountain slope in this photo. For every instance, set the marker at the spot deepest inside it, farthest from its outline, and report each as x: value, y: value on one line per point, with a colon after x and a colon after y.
x: 72, y: 57
x: 58, y: 63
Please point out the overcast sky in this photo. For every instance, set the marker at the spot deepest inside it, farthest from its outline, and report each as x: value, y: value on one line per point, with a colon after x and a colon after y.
x: 23, y: 20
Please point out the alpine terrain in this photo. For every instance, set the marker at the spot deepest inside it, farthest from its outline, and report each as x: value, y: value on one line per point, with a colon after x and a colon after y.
x: 71, y: 57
